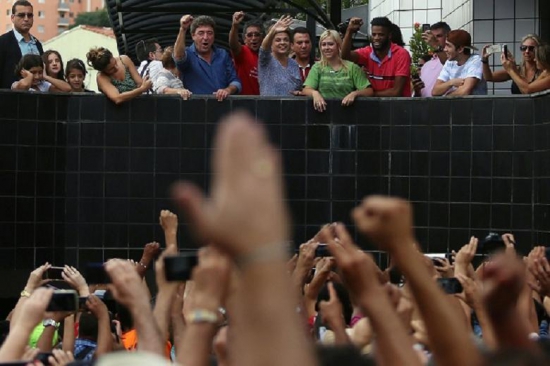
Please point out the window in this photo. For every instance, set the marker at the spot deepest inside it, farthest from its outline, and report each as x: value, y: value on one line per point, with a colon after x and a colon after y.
x: 41, y: 1
x: 71, y: 15
x: 40, y: 29
x: 41, y: 14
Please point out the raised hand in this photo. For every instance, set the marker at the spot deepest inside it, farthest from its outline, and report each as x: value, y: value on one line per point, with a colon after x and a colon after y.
x: 238, y: 17
x: 96, y: 306
x: 211, y: 277
x: 331, y: 311
x: 35, y: 279
x: 126, y: 285
x: 60, y: 358
x: 73, y: 277
x: 246, y: 209
x: 464, y: 257
x: 445, y: 269
x: 185, y: 22
x: 169, y: 223
x: 283, y: 23
x: 355, y: 24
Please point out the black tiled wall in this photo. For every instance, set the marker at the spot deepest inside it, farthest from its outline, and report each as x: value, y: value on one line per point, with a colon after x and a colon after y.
x: 84, y: 180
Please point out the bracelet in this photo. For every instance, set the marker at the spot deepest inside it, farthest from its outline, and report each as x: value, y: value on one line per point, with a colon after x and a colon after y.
x: 203, y: 316
x: 25, y: 293
x: 143, y: 265
x: 266, y: 253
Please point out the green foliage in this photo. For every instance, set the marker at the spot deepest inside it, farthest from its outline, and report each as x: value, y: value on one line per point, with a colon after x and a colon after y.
x: 98, y: 18
x: 417, y: 45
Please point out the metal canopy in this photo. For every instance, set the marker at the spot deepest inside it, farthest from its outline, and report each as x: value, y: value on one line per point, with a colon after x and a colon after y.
x: 135, y: 20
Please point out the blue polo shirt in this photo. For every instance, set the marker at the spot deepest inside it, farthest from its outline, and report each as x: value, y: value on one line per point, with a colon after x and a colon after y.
x: 201, y: 77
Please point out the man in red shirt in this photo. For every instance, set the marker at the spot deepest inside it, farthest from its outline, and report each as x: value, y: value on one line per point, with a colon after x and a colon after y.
x: 245, y: 57
x: 387, y: 64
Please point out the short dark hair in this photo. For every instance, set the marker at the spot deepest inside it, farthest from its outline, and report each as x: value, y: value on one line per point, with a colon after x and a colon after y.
x: 144, y: 47
x: 253, y: 23
x: 203, y: 21
x: 75, y: 64
x: 27, y: 62
x: 441, y: 25
x: 88, y: 326
x: 300, y: 30
x: 20, y: 3
x: 382, y: 22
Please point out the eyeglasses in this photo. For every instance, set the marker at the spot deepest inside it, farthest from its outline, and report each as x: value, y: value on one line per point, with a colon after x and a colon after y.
x: 253, y: 34
x: 526, y: 48
x: 23, y: 15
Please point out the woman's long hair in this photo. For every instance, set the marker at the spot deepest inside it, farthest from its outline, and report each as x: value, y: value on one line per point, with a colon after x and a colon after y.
x: 537, y: 40
x: 61, y: 74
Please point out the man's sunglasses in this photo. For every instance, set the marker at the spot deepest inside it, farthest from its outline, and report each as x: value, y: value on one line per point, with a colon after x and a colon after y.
x: 23, y: 15
x: 253, y: 34
x: 526, y: 48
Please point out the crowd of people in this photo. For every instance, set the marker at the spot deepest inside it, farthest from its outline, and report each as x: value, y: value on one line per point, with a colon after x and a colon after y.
x: 249, y: 301
x: 276, y: 63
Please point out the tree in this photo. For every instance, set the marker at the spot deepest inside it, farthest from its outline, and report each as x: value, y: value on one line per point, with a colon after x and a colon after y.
x: 98, y: 18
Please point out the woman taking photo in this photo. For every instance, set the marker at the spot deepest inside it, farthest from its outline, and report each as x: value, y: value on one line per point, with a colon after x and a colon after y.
x: 541, y: 82
x: 278, y: 74
x: 333, y: 77
x: 118, y: 78
x: 527, y: 69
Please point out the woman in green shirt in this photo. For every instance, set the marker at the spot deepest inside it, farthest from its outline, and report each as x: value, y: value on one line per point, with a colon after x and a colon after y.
x: 333, y: 77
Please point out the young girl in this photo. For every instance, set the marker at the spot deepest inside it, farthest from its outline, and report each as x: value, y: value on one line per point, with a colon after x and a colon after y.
x: 54, y: 69
x: 30, y: 70
x: 76, y: 74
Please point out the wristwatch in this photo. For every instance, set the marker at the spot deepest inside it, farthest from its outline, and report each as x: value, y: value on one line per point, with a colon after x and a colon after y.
x: 50, y: 323
x: 25, y: 293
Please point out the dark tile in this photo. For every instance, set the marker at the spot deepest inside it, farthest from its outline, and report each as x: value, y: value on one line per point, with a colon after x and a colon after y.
x: 501, y: 217
x: 439, y: 164
x: 7, y: 258
x: 61, y: 134
x: 244, y: 104
x: 523, y: 111
x: 421, y: 213
x: 44, y: 235
x: 385, y: 138
x: 401, y: 112
x: 400, y: 187
x: 91, y: 159
x: 344, y: 137
x: 368, y: 163
x: 47, y: 108
x: 274, y: 134
x: 117, y: 160
x: 46, y: 133
x: 343, y: 162
x: 141, y: 211
x: 142, y: 160
x: 440, y: 138
x: 297, y: 212
x: 90, y: 256
x: 8, y: 132
x: 193, y: 136
x: 318, y: 162
x: 25, y: 235
x: 460, y: 164
x: 194, y: 110
x: 438, y: 240
x: 163, y: 184
x: 481, y: 190
x: 480, y: 216
x: 26, y: 133
x: 117, y: 113
x: 293, y: 137
x: 91, y: 210
x: 142, y: 109
x: 523, y: 138
x: 7, y: 103
x: 314, y: 117
x: 503, y: 138
x: 7, y: 183
x: 71, y: 210
x: 294, y: 111
x: 342, y: 115
x: 116, y: 210
x: 115, y: 235
x: 460, y: 216
x: 26, y: 158
x: 482, y: 139
x: 420, y: 138
x: 481, y: 164
x: 318, y: 137
x: 73, y: 109
x: 215, y: 110
x: 168, y: 135
x: 168, y: 160
x: 343, y: 188
x: 461, y: 138
x: 294, y: 161
x: 502, y: 164
x: 92, y: 134
x: 142, y: 134
x: 138, y: 236
x: 399, y: 163
x: 90, y: 235
x: 24, y: 258
x: 522, y: 217
x: 73, y: 134
x: 367, y: 111
x: 368, y: 137
x: 523, y: 164
x: 502, y: 191
x: 8, y: 209
x: 523, y: 190
x: 116, y: 185
x: 28, y: 106
x: 440, y: 112
x: 45, y: 184
x: 295, y: 187
x: 193, y: 161
x: 93, y: 109
x: 141, y: 186
x: 116, y: 134
x: 461, y: 112
x: 168, y: 109
x: 318, y: 212
x: 91, y: 185
x: 45, y: 159
x: 269, y: 111
x: 26, y: 184
x: 60, y: 159
x: 439, y: 189
x: 400, y: 138
x: 419, y: 189
x: 503, y: 112
x: 482, y: 112
x: 439, y: 215
x: 419, y: 165
x: 318, y: 188
x: 341, y: 211
x: 72, y: 185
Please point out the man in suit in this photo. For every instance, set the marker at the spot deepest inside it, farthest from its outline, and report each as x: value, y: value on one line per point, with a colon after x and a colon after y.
x: 17, y: 42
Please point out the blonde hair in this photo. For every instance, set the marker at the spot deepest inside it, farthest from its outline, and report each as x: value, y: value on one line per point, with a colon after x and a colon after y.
x: 331, y: 33
x: 543, y: 56
x: 538, y: 42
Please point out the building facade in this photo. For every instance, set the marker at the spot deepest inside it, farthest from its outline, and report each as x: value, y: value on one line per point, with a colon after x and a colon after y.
x: 51, y: 17
x: 489, y: 21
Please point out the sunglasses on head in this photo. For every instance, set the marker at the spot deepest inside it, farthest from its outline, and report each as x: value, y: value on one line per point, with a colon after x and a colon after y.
x: 23, y: 15
x: 526, y: 48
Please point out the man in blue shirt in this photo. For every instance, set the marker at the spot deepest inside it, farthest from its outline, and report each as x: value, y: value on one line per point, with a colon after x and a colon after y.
x: 17, y: 42
x: 204, y: 69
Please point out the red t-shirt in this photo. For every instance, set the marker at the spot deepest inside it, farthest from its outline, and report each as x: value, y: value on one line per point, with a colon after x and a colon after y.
x: 382, y: 74
x: 246, y: 64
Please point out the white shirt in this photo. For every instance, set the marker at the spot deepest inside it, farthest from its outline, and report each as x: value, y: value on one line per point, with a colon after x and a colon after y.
x: 153, y: 69
x: 472, y: 68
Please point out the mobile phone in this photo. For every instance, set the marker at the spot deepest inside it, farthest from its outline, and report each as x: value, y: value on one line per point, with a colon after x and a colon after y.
x: 495, y: 48
x: 43, y: 357
x: 95, y: 273
x: 180, y: 267
x: 425, y: 27
x: 63, y: 300
x: 322, y: 251
x: 450, y: 285
x: 82, y: 303
x: 54, y: 273
x: 491, y: 243
x: 505, y: 50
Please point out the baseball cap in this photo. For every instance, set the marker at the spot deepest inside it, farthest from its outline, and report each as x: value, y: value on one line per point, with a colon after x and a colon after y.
x: 460, y: 38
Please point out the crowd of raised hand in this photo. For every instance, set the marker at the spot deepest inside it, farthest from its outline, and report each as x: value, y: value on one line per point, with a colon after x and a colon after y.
x: 249, y: 302
x: 278, y: 63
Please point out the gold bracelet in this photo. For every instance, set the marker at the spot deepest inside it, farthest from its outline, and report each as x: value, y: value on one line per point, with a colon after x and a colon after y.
x: 203, y: 316
x: 25, y: 293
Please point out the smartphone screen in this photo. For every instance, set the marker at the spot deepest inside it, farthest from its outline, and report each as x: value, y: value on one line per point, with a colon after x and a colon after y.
x: 54, y: 273
x: 505, y: 50
x: 180, y: 267
x: 322, y: 251
x: 63, y: 300
x: 425, y: 27
x: 450, y: 285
